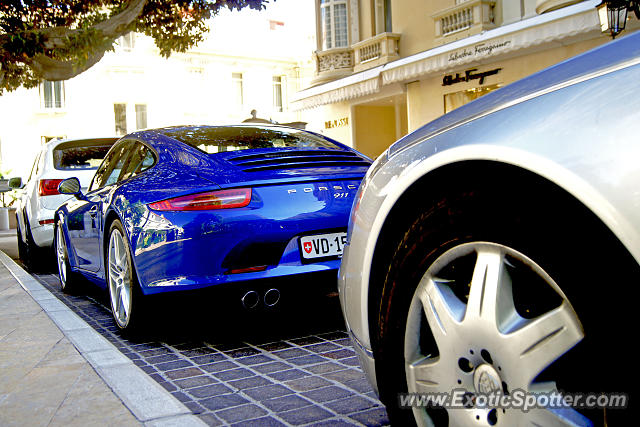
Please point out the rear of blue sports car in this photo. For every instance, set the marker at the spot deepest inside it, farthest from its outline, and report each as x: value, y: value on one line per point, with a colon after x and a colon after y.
x: 252, y: 208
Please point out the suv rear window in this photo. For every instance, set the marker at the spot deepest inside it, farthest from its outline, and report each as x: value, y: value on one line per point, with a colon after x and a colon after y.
x: 231, y: 138
x: 74, y: 155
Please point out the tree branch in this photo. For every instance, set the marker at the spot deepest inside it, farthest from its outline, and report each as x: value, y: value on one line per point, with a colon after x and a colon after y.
x: 117, y: 24
x: 113, y: 27
x: 58, y: 37
x: 54, y: 69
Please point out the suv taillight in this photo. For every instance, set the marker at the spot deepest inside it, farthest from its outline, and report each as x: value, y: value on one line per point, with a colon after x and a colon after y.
x: 48, y: 187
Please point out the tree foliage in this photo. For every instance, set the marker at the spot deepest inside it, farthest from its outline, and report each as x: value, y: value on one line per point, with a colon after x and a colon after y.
x: 59, y: 39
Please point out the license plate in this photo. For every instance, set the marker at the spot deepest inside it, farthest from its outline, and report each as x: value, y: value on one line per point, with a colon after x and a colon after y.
x: 322, y: 245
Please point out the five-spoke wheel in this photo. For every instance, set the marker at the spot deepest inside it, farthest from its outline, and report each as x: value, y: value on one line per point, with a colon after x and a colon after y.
x: 121, y: 279
x: 487, y: 295
x: 464, y: 332
x: 68, y: 279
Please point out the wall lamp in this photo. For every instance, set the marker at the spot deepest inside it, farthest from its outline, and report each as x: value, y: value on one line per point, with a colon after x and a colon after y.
x: 613, y: 15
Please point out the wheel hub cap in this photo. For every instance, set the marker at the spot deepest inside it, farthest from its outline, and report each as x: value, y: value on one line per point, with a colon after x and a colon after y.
x: 464, y: 331
x: 486, y: 380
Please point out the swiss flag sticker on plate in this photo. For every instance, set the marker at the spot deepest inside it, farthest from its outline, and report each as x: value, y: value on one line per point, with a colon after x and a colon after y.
x: 308, y: 247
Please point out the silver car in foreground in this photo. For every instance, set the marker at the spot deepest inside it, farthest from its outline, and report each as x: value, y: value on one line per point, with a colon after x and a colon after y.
x: 497, y: 248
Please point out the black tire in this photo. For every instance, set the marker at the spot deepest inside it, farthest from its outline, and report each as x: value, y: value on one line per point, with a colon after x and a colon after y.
x: 69, y: 280
x: 34, y: 255
x: 125, y: 297
x: 22, y: 246
x: 555, y: 239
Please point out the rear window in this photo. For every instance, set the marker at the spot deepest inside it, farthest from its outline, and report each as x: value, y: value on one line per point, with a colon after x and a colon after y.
x: 232, y: 138
x: 74, y: 155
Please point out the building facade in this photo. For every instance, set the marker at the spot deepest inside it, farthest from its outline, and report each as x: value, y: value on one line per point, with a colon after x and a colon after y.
x: 251, y: 61
x: 384, y: 68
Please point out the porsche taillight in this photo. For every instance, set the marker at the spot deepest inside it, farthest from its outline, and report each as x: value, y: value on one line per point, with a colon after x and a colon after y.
x: 221, y: 199
x: 48, y: 187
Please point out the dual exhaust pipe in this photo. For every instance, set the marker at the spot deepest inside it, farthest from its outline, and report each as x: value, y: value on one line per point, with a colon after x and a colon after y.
x: 252, y: 299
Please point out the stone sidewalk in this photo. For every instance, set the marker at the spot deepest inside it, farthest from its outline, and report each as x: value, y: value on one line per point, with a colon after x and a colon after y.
x: 49, y: 370
x: 276, y: 374
x: 43, y: 378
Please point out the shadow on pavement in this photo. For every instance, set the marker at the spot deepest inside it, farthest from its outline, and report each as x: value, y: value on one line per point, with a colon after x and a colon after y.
x: 207, y: 316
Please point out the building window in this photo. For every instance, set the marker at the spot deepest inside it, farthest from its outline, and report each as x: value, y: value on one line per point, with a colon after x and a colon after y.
x: 277, y: 93
x: 334, y: 23
x: 127, y: 42
x: 382, y: 13
x: 120, y: 112
x: 458, y: 99
x: 141, y: 116
x: 52, y: 94
x: 237, y: 89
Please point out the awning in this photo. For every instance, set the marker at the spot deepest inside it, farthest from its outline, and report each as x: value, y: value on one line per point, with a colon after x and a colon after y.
x: 354, y: 86
x: 540, y: 32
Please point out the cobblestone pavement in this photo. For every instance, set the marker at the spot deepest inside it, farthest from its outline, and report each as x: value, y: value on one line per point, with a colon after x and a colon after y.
x: 291, y: 367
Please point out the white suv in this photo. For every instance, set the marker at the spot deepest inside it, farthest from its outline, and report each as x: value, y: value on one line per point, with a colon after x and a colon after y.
x: 57, y: 160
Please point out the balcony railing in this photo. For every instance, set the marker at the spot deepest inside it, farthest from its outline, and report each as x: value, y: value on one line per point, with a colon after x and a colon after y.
x: 333, y: 64
x: 459, y: 20
x: 335, y: 59
x: 369, y: 52
x: 375, y: 51
x: 472, y: 16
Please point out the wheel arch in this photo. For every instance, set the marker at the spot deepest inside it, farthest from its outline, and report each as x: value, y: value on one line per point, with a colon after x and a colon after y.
x: 71, y: 253
x: 110, y: 217
x: 445, y: 179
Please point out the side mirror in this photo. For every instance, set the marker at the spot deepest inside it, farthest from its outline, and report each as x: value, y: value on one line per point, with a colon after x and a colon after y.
x: 70, y: 186
x: 15, y: 183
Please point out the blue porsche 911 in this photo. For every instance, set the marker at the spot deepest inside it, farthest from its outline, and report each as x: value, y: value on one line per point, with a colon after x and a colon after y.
x: 186, y: 208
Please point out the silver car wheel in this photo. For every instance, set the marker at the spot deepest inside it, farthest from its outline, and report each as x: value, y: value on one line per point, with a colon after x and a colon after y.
x: 61, y: 255
x: 484, y: 343
x: 120, y: 286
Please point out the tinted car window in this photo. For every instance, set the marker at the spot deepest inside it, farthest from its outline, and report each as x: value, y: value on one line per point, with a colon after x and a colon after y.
x: 219, y: 139
x: 79, y: 155
x: 110, y: 169
x: 140, y: 159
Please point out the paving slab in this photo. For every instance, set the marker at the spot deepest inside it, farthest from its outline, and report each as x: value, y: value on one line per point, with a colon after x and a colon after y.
x: 246, y: 373
x: 56, y: 370
x: 43, y: 379
x: 258, y: 370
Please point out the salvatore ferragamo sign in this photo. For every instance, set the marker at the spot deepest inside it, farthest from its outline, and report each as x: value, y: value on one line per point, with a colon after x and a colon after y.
x: 468, y: 75
x: 479, y: 50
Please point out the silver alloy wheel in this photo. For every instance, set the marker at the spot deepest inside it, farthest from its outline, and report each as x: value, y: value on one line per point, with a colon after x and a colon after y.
x: 484, y: 344
x: 120, y: 287
x: 61, y: 255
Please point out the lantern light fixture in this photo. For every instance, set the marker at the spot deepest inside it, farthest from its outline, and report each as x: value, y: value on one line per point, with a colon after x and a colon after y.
x: 613, y: 14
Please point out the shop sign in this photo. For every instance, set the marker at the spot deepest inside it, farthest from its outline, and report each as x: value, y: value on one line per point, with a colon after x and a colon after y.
x: 330, y: 124
x: 479, y: 50
x: 468, y: 75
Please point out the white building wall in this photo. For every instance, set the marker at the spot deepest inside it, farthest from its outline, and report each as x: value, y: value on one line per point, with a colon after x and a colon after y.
x: 190, y: 88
